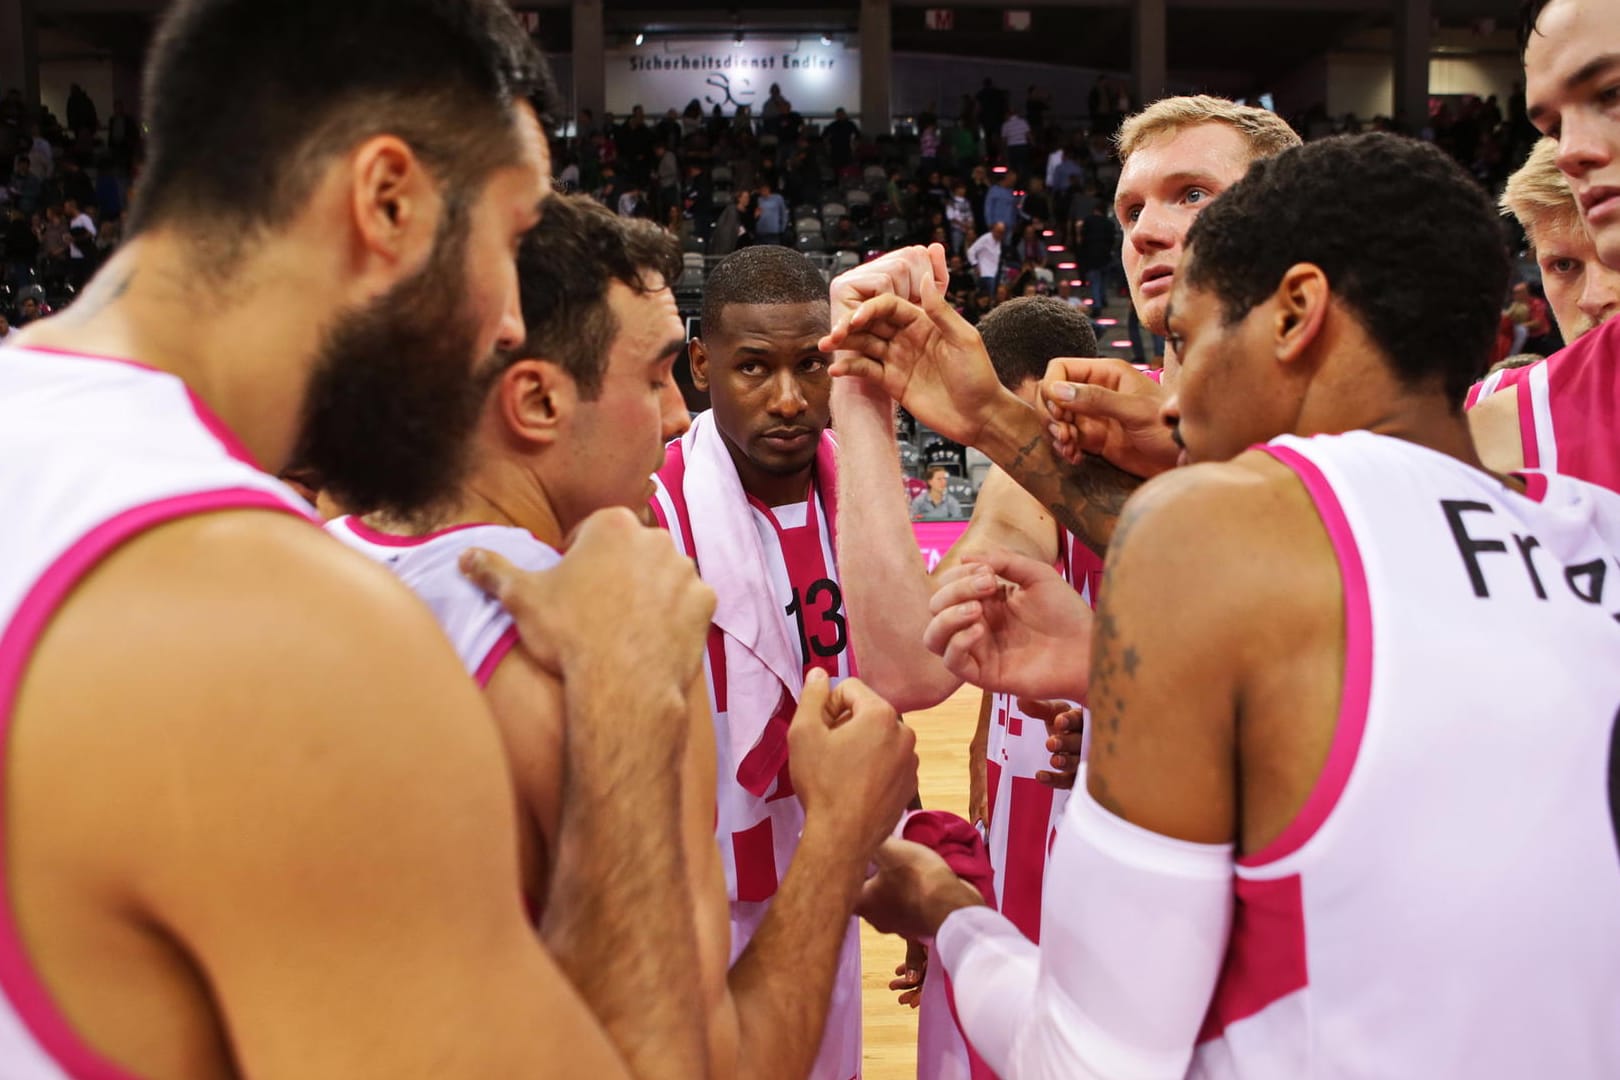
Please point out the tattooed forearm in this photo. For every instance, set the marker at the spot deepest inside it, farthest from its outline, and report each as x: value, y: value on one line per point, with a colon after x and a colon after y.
x: 1018, y: 462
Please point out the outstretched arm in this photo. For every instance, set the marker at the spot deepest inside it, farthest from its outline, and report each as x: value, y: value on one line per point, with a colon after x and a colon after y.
x: 931, y: 361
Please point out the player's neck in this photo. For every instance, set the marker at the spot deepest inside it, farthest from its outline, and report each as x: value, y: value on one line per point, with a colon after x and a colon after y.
x: 772, y: 489
x: 1426, y: 420
x: 236, y: 347
x: 503, y: 495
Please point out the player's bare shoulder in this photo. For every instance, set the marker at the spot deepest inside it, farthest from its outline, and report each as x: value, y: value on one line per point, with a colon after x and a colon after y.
x: 1243, y: 533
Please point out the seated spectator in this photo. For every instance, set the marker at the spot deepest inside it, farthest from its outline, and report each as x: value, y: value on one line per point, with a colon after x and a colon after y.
x: 936, y: 504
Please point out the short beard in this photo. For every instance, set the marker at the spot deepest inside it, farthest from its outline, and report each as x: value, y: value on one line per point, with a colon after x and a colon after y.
x: 394, y: 398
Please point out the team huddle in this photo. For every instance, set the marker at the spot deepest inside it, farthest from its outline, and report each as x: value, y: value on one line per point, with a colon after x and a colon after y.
x: 407, y: 686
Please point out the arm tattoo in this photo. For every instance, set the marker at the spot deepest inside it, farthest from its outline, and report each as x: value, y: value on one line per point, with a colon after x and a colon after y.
x: 1114, y: 665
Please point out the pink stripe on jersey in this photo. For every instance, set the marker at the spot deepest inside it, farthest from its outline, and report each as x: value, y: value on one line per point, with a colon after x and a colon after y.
x: 755, y: 848
x: 1358, y: 659
x: 22, y: 985
x: 1527, y: 425
x: 1029, y: 817
x: 382, y: 539
x: 1265, y: 955
x: 492, y: 659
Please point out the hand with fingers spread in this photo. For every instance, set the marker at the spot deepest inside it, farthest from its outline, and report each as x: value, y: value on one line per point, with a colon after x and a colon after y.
x: 852, y: 762
x: 925, y: 356
x: 1010, y: 623
x: 913, y: 891
x: 1110, y: 409
x: 1065, y: 739
x: 613, y: 563
x: 909, y: 975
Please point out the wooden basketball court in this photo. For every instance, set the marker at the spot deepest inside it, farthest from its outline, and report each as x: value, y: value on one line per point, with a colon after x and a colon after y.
x: 890, y: 1033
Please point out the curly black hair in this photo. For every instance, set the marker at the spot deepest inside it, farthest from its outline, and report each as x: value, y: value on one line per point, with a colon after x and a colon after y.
x: 1023, y: 335
x: 1408, y: 241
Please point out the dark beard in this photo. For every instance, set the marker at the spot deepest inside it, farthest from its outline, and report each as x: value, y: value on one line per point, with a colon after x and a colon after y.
x: 393, y: 400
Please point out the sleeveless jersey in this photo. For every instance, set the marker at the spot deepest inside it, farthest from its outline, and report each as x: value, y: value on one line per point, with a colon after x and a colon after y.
x: 479, y: 628
x: 1023, y: 812
x: 93, y: 453
x: 1569, y: 407
x: 758, y: 834
x: 1447, y: 902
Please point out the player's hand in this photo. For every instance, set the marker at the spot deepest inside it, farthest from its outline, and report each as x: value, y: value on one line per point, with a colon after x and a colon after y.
x: 1065, y: 739
x: 1110, y: 409
x: 852, y: 762
x: 900, y: 272
x: 913, y: 891
x: 909, y: 975
x: 1009, y: 623
x: 926, y: 357
x: 661, y: 611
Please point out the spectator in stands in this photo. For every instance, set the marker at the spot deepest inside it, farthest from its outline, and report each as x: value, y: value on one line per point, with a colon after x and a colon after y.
x: 22, y: 249
x: 1095, y: 253
x: 841, y: 135
x: 992, y: 101
x: 27, y: 311
x: 667, y: 176
x: 985, y: 257
x: 81, y: 112
x: 25, y: 186
x: 1001, y: 205
x: 958, y: 216
x: 1015, y: 143
x: 5, y: 328
x: 936, y: 504
x: 1541, y: 337
x: 770, y: 216
x: 731, y: 228
x: 928, y: 144
x: 122, y: 134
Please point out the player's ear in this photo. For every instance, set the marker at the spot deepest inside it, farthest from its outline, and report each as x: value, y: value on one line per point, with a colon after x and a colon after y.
x: 1302, y: 300
x: 392, y: 203
x: 699, y: 358
x: 535, y: 399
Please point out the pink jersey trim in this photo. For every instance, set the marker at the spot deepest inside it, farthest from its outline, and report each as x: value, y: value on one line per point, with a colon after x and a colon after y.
x: 1265, y: 954
x: 382, y: 539
x: 22, y: 985
x: 492, y: 659
x: 1358, y: 658
x: 1535, y: 486
x: 205, y: 415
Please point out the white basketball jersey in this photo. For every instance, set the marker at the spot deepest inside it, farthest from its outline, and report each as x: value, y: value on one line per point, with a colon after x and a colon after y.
x: 1447, y: 903
x: 478, y: 627
x: 759, y: 834
x: 1023, y: 812
x: 93, y: 453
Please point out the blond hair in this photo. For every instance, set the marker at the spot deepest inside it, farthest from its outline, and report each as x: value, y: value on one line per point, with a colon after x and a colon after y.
x: 1539, y: 195
x: 1265, y: 132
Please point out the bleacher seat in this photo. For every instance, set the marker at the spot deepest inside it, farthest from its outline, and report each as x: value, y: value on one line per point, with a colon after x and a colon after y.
x: 831, y: 212
x: 962, y: 490
x: 811, y: 242
x: 844, y: 260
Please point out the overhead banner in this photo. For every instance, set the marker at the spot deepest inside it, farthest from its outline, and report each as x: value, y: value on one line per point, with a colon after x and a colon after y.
x: 816, y: 79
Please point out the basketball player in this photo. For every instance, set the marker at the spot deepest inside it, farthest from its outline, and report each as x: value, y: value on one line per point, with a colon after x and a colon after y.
x: 1021, y: 336
x: 751, y: 493
x: 257, y: 818
x: 1178, y: 154
x: 1296, y: 861
x: 571, y: 426
x: 1560, y: 415
x: 1582, y: 292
